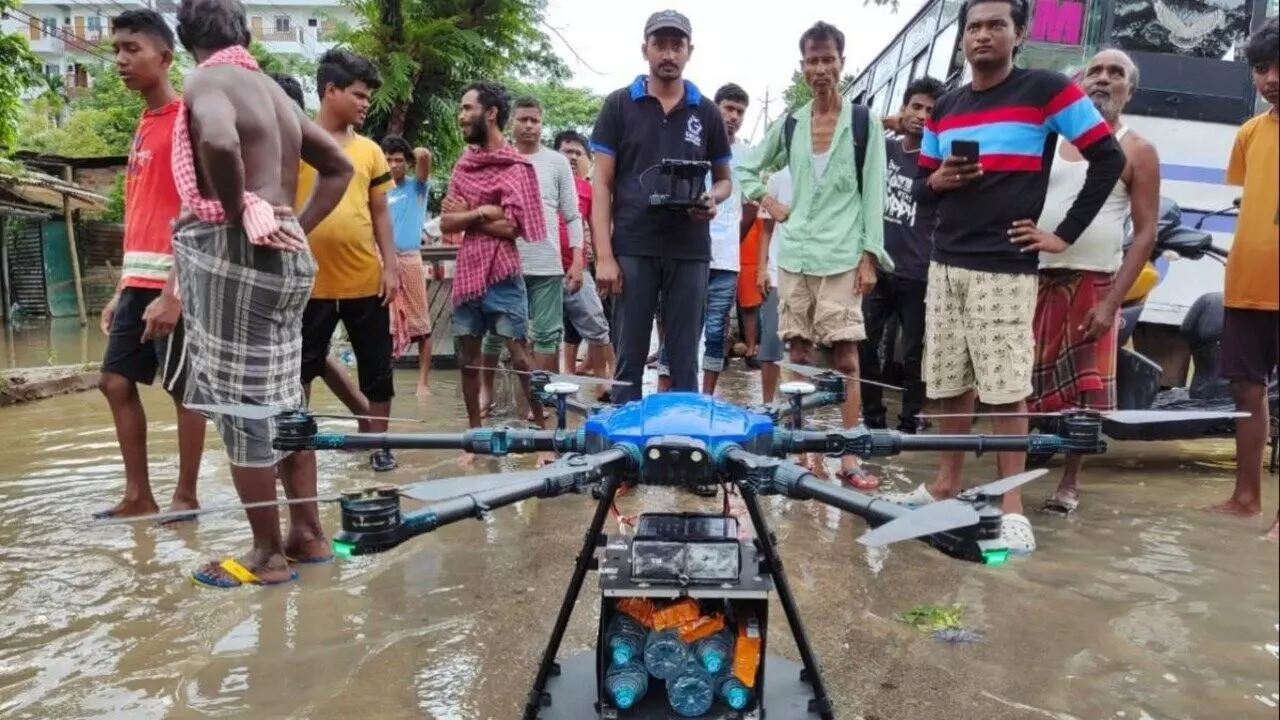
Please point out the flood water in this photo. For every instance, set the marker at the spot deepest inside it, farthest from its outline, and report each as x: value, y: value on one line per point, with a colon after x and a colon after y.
x: 1141, y: 607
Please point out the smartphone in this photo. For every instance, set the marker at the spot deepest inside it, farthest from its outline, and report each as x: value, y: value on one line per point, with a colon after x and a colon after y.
x: 965, y: 149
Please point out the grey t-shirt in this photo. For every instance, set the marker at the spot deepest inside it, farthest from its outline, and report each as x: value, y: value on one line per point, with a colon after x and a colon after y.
x: 559, y: 199
x: 908, y: 226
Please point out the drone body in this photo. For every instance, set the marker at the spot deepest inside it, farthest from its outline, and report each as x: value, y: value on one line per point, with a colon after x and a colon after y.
x: 700, y: 418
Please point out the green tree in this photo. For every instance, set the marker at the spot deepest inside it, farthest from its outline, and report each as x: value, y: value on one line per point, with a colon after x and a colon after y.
x: 563, y: 107
x: 428, y: 50
x: 19, y: 71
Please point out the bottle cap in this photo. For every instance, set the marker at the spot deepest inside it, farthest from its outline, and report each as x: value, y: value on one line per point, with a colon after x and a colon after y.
x: 621, y: 655
x: 737, y: 698
x: 625, y: 697
x: 713, y: 663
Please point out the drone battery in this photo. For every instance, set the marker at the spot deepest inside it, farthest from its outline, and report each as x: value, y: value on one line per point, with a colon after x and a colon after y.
x: 686, y: 548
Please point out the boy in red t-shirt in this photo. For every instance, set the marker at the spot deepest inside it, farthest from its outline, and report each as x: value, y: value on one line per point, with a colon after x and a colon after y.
x: 143, y: 322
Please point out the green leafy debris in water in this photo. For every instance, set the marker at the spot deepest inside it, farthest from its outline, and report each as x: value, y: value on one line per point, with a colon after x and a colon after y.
x: 931, y: 618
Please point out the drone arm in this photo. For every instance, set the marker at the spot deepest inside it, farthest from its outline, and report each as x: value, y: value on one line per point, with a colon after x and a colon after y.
x: 480, y: 441
x: 883, y: 443
x: 588, y: 468
x: 781, y: 411
x: 771, y: 476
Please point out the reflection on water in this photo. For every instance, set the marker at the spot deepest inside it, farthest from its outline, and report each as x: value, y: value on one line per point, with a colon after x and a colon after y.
x: 61, y: 341
x: 1140, y: 607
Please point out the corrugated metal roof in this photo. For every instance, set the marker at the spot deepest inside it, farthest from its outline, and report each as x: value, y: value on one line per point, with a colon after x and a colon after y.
x: 44, y: 190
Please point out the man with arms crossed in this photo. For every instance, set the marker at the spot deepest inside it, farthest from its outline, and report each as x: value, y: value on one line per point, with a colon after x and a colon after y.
x: 143, y: 322
x: 544, y: 274
x: 492, y: 199
x: 357, y: 277
x: 1081, y: 288
x: 246, y: 272
x: 584, y: 312
x: 727, y: 229
x: 645, y: 256
x: 835, y: 233
x: 407, y: 203
x: 986, y: 248
x: 1251, y: 325
x: 908, y: 238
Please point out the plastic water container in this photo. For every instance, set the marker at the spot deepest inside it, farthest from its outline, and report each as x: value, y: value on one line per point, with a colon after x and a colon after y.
x: 626, y: 639
x: 627, y: 683
x: 731, y: 691
x: 692, y: 690
x: 713, y: 651
x: 665, y: 653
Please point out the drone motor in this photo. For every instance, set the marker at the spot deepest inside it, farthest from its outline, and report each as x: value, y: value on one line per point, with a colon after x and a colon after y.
x: 371, y: 521
x: 296, y: 431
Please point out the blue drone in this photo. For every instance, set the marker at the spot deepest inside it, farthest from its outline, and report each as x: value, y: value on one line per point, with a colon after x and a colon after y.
x: 683, y: 440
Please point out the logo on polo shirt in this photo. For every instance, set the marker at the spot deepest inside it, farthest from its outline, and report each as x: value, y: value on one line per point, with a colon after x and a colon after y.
x: 693, y: 131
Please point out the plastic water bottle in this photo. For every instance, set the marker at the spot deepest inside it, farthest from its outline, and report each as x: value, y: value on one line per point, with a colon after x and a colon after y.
x: 665, y: 653
x: 627, y: 683
x: 692, y: 690
x: 713, y: 651
x: 626, y: 639
x: 731, y: 690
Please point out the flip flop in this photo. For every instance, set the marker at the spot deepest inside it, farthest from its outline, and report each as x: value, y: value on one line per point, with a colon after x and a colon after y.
x: 192, y: 517
x: 858, y: 478
x: 1060, y: 505
x: 104, y: 514
x: 240, y: 575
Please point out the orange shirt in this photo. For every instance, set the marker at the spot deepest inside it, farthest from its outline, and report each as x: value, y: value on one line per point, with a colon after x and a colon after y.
x: 1253, y: 268
x: 151, y: 200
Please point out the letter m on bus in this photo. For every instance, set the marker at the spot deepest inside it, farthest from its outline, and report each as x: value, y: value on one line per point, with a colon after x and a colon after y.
x: 1057, y: 21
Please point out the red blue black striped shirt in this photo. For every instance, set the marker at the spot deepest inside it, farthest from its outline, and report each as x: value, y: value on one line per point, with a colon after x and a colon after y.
x: 1016, y: 125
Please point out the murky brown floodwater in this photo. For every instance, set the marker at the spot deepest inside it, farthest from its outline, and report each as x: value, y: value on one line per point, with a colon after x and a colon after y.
x: 1143, y: 607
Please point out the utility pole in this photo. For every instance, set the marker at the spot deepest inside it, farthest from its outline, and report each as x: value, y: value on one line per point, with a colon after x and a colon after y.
x: 763, y: 117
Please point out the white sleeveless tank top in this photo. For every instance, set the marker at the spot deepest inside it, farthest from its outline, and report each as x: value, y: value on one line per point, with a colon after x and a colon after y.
x: 1100, y: 247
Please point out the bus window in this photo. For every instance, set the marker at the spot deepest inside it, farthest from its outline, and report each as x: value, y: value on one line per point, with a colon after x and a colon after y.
x: 899, y: 86
x: 943, y: 48
x: 917, y: 65
x: 1191, y: 28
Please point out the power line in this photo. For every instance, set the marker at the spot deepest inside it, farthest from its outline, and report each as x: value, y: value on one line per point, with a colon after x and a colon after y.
x: 57, y: 33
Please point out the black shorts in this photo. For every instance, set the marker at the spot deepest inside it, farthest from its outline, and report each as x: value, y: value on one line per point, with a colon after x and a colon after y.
x: 130, y: 358
x: 1250, y: 344
x: 368, y: 326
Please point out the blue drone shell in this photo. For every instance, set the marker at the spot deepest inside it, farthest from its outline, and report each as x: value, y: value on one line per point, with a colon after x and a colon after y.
x: 701, y: 417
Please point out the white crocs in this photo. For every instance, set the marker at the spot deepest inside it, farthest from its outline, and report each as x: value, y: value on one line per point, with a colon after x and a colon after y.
x: 914, y: 499
x: 1015, y: 531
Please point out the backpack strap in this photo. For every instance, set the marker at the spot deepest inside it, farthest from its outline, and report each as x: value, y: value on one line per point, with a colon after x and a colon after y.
x: 861, y: 128
x: 788, y: 132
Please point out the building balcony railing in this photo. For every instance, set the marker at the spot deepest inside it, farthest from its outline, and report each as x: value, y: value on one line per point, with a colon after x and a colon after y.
x: 292, y: 35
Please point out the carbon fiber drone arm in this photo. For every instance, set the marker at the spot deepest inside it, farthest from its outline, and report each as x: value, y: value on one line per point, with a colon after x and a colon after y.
x: 867, y: 443
x: 481, y: 441
x: 782, y: 411
x: 475, y: 505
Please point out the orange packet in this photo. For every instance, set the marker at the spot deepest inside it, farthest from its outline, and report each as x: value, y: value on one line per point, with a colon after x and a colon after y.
x: 702, y: 627
x: 640, y: 609
x: 746, y: 652
x: 676, y: 614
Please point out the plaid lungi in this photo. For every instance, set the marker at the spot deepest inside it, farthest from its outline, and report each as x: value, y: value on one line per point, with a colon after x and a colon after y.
x: 242, y: 305
x: 410, y: 310
x: 1071, y: 371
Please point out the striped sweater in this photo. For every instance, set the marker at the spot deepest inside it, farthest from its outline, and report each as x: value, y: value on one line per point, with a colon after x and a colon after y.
x: 1016, y: 125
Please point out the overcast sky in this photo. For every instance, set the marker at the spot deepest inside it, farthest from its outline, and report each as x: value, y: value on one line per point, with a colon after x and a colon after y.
x: 749, y: 42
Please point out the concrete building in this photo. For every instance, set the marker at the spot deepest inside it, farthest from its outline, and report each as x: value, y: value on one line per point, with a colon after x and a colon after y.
x: 68, y: 35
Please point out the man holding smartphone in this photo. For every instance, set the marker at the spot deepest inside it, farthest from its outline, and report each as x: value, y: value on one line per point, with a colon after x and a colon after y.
x: 986, y: 145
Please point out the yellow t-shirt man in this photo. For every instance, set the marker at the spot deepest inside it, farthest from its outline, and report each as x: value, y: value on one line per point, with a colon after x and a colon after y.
x: 346, y: 251
x: 1253, y: 282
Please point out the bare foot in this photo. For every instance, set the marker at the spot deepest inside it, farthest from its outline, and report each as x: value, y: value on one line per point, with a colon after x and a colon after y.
x: 424, y: 391
x: 817, y: 465
x: 307, y: 546
x: 1274, y: 532
x: 268, y: 568
x: 180, y: 504
x: 545, y: 459
x: 467, y: 460
x: 1238, y: 508
x: 129, y: 508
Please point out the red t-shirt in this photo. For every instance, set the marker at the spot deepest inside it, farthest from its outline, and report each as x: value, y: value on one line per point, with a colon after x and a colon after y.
x: 151, y: 202
x: 584, y: 211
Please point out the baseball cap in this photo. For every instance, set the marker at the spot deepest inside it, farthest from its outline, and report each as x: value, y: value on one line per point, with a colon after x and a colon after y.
x: 667, y: 20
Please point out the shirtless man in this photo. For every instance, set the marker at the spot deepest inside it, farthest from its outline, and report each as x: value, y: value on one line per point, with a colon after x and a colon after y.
x: 238, y: 246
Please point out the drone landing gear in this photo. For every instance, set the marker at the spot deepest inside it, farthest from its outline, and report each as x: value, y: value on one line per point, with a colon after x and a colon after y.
x: 784, y: 694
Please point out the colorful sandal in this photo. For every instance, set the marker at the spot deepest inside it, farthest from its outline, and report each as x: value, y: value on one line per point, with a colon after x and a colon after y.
x: 240, y: 576
x: 858, y: 478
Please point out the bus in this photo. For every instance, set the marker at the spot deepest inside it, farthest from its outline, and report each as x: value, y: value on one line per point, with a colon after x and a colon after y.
x: 1194, y: 91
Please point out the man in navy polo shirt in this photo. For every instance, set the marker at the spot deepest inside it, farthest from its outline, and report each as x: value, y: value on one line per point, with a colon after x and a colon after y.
x: 641, y: 252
